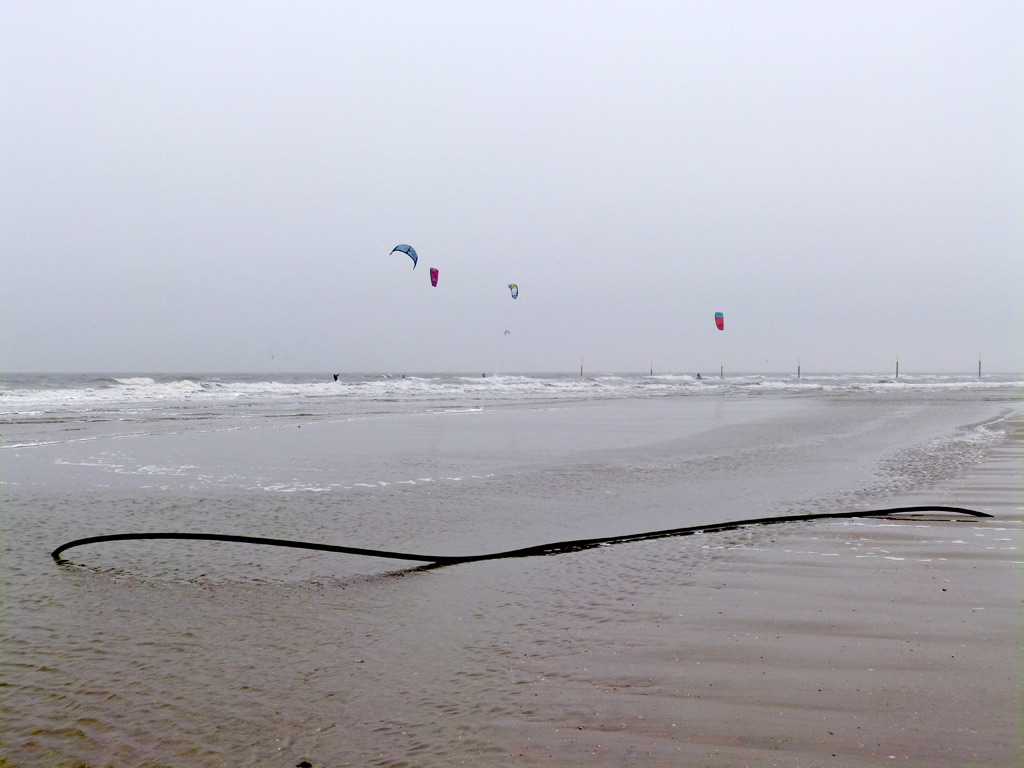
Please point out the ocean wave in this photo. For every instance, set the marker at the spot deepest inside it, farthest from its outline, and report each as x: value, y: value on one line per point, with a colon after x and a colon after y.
x: 136, y: 381
x: 28, y: 397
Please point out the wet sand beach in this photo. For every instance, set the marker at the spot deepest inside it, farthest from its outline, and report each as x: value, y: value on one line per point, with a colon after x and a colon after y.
x: 857, y: 642
x: 851, y: 643
x: 846, y: 643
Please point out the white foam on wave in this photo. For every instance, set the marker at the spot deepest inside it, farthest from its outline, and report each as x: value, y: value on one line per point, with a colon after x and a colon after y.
x: 295, y: 488
x: 26, y: 398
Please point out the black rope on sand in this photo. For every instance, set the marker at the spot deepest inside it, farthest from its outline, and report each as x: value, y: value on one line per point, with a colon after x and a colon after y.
x: 555, y: 548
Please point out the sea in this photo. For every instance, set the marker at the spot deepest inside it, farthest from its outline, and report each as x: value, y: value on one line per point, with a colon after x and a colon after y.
x: 186, y: 653
x: 125, y: 400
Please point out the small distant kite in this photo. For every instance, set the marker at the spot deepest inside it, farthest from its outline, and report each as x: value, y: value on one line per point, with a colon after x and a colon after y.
x: 507, y: 333
x: 515, y: 290
x: 720, y: 321
x: 409, y: 251
x: 433, y: 276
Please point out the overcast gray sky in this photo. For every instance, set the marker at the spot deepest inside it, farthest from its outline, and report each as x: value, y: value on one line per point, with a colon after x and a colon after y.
x: 194, y: 186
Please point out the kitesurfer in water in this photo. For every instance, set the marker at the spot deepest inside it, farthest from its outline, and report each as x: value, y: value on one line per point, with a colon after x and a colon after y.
x: 698, y: 377
x: 336, y: 376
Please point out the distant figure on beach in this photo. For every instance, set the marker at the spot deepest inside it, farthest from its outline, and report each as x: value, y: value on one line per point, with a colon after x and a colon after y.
x: 336, y: 376
x: 698, y: 377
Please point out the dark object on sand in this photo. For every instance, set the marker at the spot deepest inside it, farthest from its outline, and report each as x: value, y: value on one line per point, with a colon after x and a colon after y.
x: 555, y: 548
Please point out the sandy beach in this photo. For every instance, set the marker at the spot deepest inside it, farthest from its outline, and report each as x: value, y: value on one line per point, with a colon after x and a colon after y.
x: 857, y: 642
x: 832, y: 643
x: 835, y: 643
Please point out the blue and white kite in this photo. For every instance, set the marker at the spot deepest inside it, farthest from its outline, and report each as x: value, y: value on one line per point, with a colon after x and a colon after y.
x: 409, y: 251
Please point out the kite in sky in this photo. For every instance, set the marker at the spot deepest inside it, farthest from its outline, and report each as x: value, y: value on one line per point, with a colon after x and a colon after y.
x: 409, y: 251
x: 515, y: 290
x: 433, y: 276
x: 720, y: 321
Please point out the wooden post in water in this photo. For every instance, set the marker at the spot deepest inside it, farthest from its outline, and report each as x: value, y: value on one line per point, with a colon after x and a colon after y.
x: 798, y: 367
x: 897, y: 366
